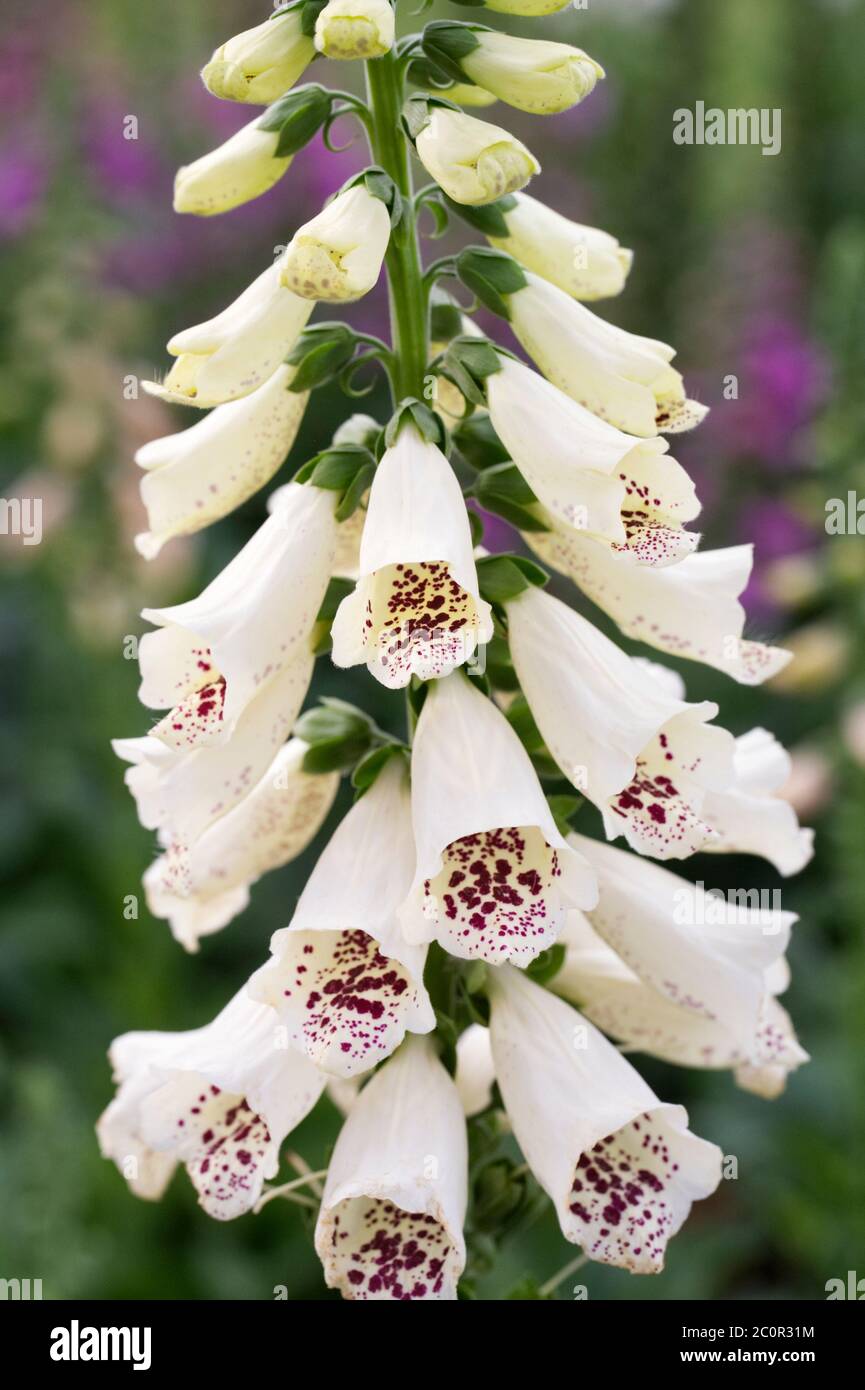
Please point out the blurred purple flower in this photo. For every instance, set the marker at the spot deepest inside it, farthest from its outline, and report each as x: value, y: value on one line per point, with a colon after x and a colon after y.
x: 124, y: 169
x: 23, y: 179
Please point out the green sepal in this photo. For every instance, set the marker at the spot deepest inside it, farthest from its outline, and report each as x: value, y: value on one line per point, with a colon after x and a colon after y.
x: 378, y: 184
x: 334, y: 468
x: 415, y: 114
x: 311, y: 9
x: 503, y: 491
x: 502, y: 577
x: 426, y: 422
x: 547, y: 965
x: 492, y: 276
x: 338, y: 735
x: 298, y: 116
x: 446, y: 316
x: 336, y: 591
x: 499, y: 666
x: 373, y: 763
x: 356, y: 491
x: 466, y: 363
x: 446, y: 43
x: 320, y: 353
x: 479, y: 444
x: 489, y: 219
x: 476, y: 526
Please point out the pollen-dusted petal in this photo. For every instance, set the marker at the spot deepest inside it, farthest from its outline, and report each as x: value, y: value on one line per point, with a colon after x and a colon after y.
x: 347, y: 1005
x: 496, y: 896
x: 195, y: 721
x: 658, y: 497
x: 226, y: 1148
x: 630, y: 1195
x: 675, y: 417
x: 380, y: 1252
x: 418, y: 621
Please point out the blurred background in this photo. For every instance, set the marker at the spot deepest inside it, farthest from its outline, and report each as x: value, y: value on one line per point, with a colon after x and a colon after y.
x: 752, y: 266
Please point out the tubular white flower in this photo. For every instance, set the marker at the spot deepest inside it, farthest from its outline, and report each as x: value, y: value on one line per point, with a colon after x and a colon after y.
x: 625, y: 379
x: 621, y: 1004
x: 473, y: 161
x: 416, y: 609
x: 355, y: 29
x: 391, y: 1219
x: 644, y: 757
x: 467, y: 94
x: 707, y: 956
x: 336, y: 257
x: 202, y: 885
x: 589, y: 475
x: 238, y: 171
x: 219, y: 1099
x: 690, y: 609
x: 531, y: 74
x: 198, y: 476
x: 237, y: 351
x: 213, y: 655
x: 344, y: 982
x: 494, y: 876
x: 621, y: 1168
x: 583, y: 261
x: 181, y: 792
x: 748, y: 818
x: 261, y: 64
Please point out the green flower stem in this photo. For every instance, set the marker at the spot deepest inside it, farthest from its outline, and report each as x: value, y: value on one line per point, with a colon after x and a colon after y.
x: 408, y: 306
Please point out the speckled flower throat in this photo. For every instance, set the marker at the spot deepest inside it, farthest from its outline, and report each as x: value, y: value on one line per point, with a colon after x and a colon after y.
x: 468, y: 940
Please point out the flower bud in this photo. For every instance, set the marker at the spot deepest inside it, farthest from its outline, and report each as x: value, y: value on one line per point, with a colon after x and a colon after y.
x: 583, y: 261
x: 531, y: 74
x: 473, y: 161
x: 261, y: 63
x: 238, y: 171
x: 355, y: 29
x: 337, y: 256
x: 532, y: 9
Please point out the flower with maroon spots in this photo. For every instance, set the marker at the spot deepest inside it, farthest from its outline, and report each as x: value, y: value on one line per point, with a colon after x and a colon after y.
x: 220, y: 1100
x: 690, y: 609
x: 494, y: 875
x: 390, y: 1226
x: 202, y: 885
x: 620, y: 1167
x: 749, y: 817
x: 343, y: 981
x: 589, y: 476
x: 416, y: 609
x: 644, y: 1019
x: 645, y: 757
x: 211, y: 656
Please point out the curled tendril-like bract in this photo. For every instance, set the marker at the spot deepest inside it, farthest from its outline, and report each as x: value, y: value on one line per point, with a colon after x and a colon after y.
x: 346, y: 378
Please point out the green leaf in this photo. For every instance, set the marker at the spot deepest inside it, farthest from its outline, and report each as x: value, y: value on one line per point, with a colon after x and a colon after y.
x: 446, y: 316
x: 298, y: 116
x: 502, y: 490
x: 489, y: 219
x: 564, y: 808
x: 492, y: 276
x: 426, y: 422
x: 369, y: 767
x: 311, y: 9
x: 320, y: 353
x: 480, y: 446
x: 446, y: 44
x: 477, y: 527
x: 356, y: 491
x: 338, y: 734
x: 502, y: 577
x: 547, y: 965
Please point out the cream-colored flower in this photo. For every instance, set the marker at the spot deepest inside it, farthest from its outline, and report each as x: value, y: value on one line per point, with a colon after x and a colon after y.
x: 473, y: 161
x: 583, y: 261
x: 532, y: 74
x: 261, y: 64
x: 244, y: 167
x: 337, y: 256
x: 355, y: 29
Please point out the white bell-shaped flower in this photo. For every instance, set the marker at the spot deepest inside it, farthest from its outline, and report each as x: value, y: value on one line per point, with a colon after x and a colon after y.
x: 198, y: 476
x: 473, y: 161
x: 494, y: 876
x: 261, y: 64
x: 346, y: 29
x: 202, y: 885
x: 690, y: 609
x: 532, y: 74
x: 620, y: 1167
x: 390, y: 1225
x: 344, y: 982
x: 625, y: 379
x: 645, y: 757
x: 337, y: 255
x: 585, y: 262
x: 416, y: 608
x: 590, y: 476
x: 219, y: 1099
x: 234, y: 353
x: 241, y: 169
x: 749, y: 817
x: 213, y: 655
